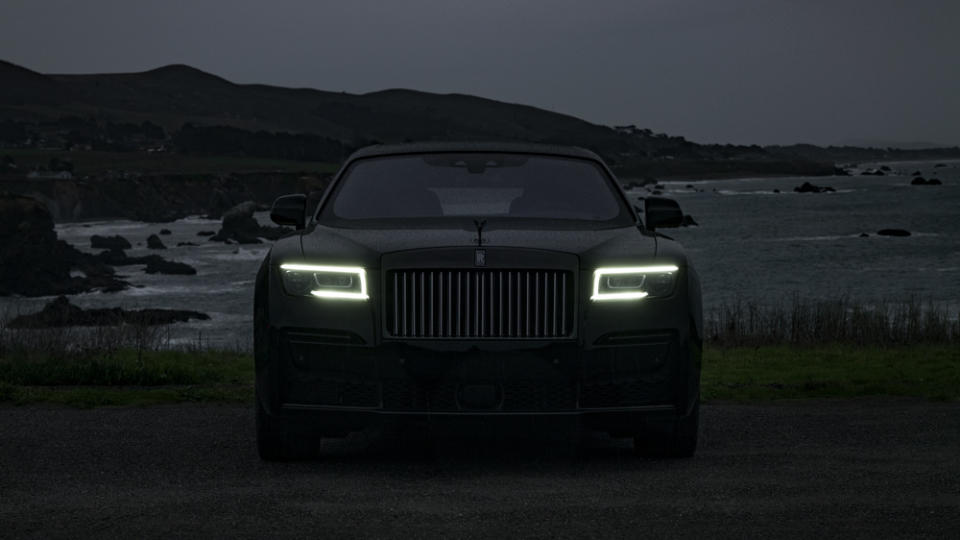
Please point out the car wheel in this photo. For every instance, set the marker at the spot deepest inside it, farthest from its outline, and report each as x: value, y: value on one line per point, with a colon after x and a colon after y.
x: 669, y: 437
x: 277, y: 440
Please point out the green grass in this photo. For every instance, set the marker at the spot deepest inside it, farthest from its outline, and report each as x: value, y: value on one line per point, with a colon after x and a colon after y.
x: 842, y: 371
x: 729, y: 374
x: 100, y: 396
x: 125, y: 379
x: 96, y: 162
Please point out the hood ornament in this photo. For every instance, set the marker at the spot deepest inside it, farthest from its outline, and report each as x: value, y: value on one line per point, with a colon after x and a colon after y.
x: 480, y: 223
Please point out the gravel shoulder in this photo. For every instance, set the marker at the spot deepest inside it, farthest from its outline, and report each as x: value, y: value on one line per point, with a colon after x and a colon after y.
x: 863, y: 468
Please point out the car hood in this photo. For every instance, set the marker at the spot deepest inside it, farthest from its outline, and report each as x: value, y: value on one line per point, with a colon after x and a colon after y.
x: 624, y: 243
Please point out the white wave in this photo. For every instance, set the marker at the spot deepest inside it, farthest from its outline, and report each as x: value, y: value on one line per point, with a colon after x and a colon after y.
x: 782, y: 192
x: 679, y: 191
x: 811, y: 238
x: 195, y: 289
x: 821, y: 238
x: 198, y: 220
x: 243, y: 255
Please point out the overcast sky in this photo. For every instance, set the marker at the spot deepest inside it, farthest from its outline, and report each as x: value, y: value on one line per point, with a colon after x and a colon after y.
x: 739, y: 71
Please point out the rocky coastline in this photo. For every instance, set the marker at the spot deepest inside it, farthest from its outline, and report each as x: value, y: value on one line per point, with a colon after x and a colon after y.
x: 34, y: 262
x: 59, y: 312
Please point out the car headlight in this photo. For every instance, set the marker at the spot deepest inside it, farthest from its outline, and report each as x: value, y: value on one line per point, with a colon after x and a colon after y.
x: 634, y: 282
x: 324, y: 281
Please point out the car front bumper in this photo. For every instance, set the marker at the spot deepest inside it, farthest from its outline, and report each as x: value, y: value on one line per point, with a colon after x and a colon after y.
x: 339, y: 387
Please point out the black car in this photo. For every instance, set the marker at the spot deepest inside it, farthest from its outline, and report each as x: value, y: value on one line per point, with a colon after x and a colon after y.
x: 476, y: 282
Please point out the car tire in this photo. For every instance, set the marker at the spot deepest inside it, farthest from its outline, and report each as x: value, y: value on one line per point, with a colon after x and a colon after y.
x: 278, y: 441
x: 669, y: 437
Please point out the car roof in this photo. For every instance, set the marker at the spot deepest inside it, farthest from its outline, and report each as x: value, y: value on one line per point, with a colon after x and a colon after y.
x: 469, y: 147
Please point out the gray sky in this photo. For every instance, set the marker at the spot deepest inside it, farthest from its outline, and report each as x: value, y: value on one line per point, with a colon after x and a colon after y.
x: 739, y: 71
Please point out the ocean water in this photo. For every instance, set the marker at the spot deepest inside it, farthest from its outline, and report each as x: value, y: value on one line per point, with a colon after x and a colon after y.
x: 222, y: 287
x: 752, y: 244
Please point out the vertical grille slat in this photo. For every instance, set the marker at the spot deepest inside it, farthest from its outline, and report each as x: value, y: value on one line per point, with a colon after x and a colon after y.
x: 526, y: 293
x: 563, y: 301
x: 450, y: 305
x: 510, y: 303
x: 500, y: 303
x: 553, y: 312
x: 396, y: 304
x: 479, y: 304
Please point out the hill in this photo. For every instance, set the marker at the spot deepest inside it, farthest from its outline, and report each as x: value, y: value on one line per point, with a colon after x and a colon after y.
x: 173, y: 95
x: 24, y: 88
x: 182, y: 109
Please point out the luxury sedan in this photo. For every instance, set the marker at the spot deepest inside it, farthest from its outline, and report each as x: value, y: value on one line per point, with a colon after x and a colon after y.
x: 463, y: 283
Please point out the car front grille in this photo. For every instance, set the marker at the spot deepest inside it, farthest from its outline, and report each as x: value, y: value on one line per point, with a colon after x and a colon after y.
x: 479, y: 304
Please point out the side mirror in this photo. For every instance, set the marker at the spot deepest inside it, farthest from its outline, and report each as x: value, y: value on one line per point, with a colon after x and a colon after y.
x: 662, y: 212
x: 290, y: 210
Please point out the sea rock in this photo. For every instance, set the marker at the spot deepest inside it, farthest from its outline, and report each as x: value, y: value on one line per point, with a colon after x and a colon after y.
x: 154, y: 242
x: 893, y: 232
x: 776, y: 191
x: 840, y: 171
x: 884, y: 168
x: 938, y: 165
x: 921, y: 181
x: 181, y: 244
x: 864, y: 235
x: 872, y: 172
x: 206, y: 233
x: 60, y: 312
x: 154, y: 263
x: 169, y: 267
x: 33, y: 262
x: 807, y: 187
x: 915, y: 173
x: 109, y: 242
x: 165, y: 232
x: 113, y: 257
x: 240, y: 226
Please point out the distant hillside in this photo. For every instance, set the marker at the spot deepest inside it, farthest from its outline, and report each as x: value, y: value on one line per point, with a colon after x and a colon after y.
x: 173, y: 95
x: 24, y: 88
x: 181, y: 109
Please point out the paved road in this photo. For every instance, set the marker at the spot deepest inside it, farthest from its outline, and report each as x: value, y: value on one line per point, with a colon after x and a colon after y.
x: 825, y: 469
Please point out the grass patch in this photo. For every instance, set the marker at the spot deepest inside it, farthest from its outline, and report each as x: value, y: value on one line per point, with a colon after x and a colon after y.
x: 786, y: 372
x: 85, y: 397
x: 129, y: 368
x: 128, y: 378
x: 734, y: 374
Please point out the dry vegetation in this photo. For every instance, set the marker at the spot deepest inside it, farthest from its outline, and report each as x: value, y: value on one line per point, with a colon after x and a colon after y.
x: 799, y: 322
x: 797, y: 349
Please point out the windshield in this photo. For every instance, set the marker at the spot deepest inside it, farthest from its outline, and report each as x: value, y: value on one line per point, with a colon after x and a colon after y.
x: 511, y: 186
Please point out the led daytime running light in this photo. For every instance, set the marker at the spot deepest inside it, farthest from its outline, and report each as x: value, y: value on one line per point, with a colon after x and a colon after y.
x: 634, y: 295
x: 324, y: 293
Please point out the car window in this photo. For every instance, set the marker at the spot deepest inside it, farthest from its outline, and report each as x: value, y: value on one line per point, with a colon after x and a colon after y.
x: 475, y: 185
